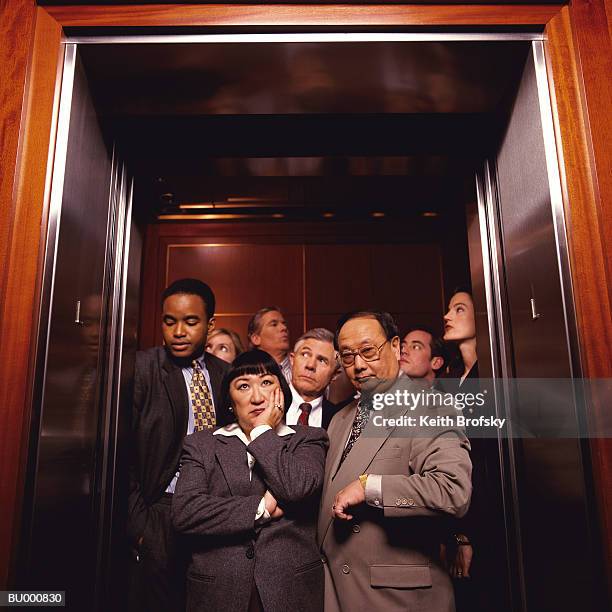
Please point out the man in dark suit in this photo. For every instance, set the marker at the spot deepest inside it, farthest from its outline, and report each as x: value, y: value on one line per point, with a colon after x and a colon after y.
x: 314, y: 363
x: 176, y: 392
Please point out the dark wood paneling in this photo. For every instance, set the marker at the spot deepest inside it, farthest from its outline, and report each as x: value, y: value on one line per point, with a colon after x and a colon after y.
x: 579, y: 55
x: 316, y: 282
x: 244, y: 276
x: 404, y: 279
x: 296, y: 15
x: 338, y: 278
x: 22, y: 217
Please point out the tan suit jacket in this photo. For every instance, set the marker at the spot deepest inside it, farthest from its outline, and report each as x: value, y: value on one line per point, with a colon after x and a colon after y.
x: 386, y: 558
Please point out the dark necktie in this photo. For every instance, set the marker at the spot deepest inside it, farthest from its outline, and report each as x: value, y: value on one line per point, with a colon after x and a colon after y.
x: 361, y: 419
x: 305, y: 413
x: 203, y: 411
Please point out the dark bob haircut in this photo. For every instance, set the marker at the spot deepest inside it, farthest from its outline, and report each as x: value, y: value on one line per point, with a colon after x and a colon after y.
x: 384, y: 318
x: 254, y: 362
x: 192, y: 286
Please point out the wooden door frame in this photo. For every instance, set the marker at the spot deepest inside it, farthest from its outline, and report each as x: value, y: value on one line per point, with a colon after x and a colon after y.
x: 579, y: 58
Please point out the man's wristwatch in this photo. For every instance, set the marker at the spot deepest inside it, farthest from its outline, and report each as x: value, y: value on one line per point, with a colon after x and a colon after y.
x: 362, y: 479
x: 462, y: 540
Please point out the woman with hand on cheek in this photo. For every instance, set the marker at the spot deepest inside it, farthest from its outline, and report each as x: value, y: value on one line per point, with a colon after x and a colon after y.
x: 247, y: 500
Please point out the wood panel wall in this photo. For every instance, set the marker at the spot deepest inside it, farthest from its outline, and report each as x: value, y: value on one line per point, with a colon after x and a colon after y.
x: 314, y: 279
x: 29, y: 55
x: 579, y: 55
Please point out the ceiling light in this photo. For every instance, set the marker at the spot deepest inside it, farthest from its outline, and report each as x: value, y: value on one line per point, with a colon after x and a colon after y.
x: 201, y: 205
x: 328, y: 215
x: 429, y: 213
x: 252, y: 199
x: 214, y: 217
x: 378, y: 214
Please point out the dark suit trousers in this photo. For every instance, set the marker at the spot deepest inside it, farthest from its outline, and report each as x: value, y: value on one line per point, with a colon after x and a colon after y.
x: 157, y: 581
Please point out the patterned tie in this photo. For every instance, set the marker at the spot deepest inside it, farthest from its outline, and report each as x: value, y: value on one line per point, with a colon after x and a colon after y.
x: 203, y: 410
x: 305, y: 408
x: 361, y: 419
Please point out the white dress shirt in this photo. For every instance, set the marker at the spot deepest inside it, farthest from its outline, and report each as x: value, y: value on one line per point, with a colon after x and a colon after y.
x: 233, y: 429
x: 315, y: 418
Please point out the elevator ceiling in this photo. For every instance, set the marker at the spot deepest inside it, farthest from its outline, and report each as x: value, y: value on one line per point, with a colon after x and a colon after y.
x: 295, y: 78
x: 309, y: 125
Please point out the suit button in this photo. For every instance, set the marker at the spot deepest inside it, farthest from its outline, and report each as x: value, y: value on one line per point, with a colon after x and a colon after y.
x: 404, y: 501
x: 398, y: 502
x: 410, y: 501
x: 377, y: 502
x: 346, y: 569
x: 323, y: 559
x: 250, y: 552
x: 356, y: 528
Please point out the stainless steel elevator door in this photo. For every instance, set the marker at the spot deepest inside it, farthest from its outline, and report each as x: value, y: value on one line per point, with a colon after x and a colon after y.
x: 62, y: 543
x: 552, y: 494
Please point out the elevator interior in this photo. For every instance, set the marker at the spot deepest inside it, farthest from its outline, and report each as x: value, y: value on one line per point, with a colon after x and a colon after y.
x: 442, y: 139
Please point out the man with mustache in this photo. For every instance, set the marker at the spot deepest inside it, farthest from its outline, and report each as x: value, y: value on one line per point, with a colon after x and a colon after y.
x: 176, y: 392
x: 314, y: 363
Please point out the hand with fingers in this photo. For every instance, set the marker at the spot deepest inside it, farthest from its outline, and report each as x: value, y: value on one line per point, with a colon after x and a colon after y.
x: 460, y: 565
x: 274, y: 412
x: 351, y: 495
x: 272, y: 506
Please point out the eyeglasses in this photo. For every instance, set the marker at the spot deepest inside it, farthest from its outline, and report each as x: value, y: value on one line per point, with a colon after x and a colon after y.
x: 367, y: 353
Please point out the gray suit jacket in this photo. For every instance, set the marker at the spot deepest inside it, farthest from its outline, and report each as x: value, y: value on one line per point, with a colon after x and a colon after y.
x: 215, y: 505
x: 385, y: 558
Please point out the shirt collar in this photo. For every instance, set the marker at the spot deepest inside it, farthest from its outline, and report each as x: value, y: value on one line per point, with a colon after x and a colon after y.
x: 298, y: 399
x: 200, y: 360
x: 233, y: 429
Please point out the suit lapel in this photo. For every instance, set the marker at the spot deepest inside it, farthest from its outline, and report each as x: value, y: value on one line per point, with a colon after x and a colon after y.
x: 343, y: 427
x: 216, y: 375
x: 339, y: 434
x: 174, y: 383
x: 232, y: 457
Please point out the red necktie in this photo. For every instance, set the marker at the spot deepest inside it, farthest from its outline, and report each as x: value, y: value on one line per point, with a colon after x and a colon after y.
x: 305, y: 412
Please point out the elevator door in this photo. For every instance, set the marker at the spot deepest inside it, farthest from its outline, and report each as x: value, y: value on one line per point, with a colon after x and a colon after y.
x: 558, y: 563
x: 62, y: 525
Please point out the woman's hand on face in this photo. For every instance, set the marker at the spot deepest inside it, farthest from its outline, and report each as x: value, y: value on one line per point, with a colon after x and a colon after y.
x: 274, y: 412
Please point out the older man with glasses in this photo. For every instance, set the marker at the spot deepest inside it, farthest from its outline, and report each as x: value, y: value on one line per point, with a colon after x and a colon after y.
x: 387, y: 487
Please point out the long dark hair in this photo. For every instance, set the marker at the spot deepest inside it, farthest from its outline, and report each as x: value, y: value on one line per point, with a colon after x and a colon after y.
x: 455, y: 367
x: 251, y: 362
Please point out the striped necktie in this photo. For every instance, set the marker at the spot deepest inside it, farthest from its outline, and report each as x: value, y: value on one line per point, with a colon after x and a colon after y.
x: 203, y: 410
